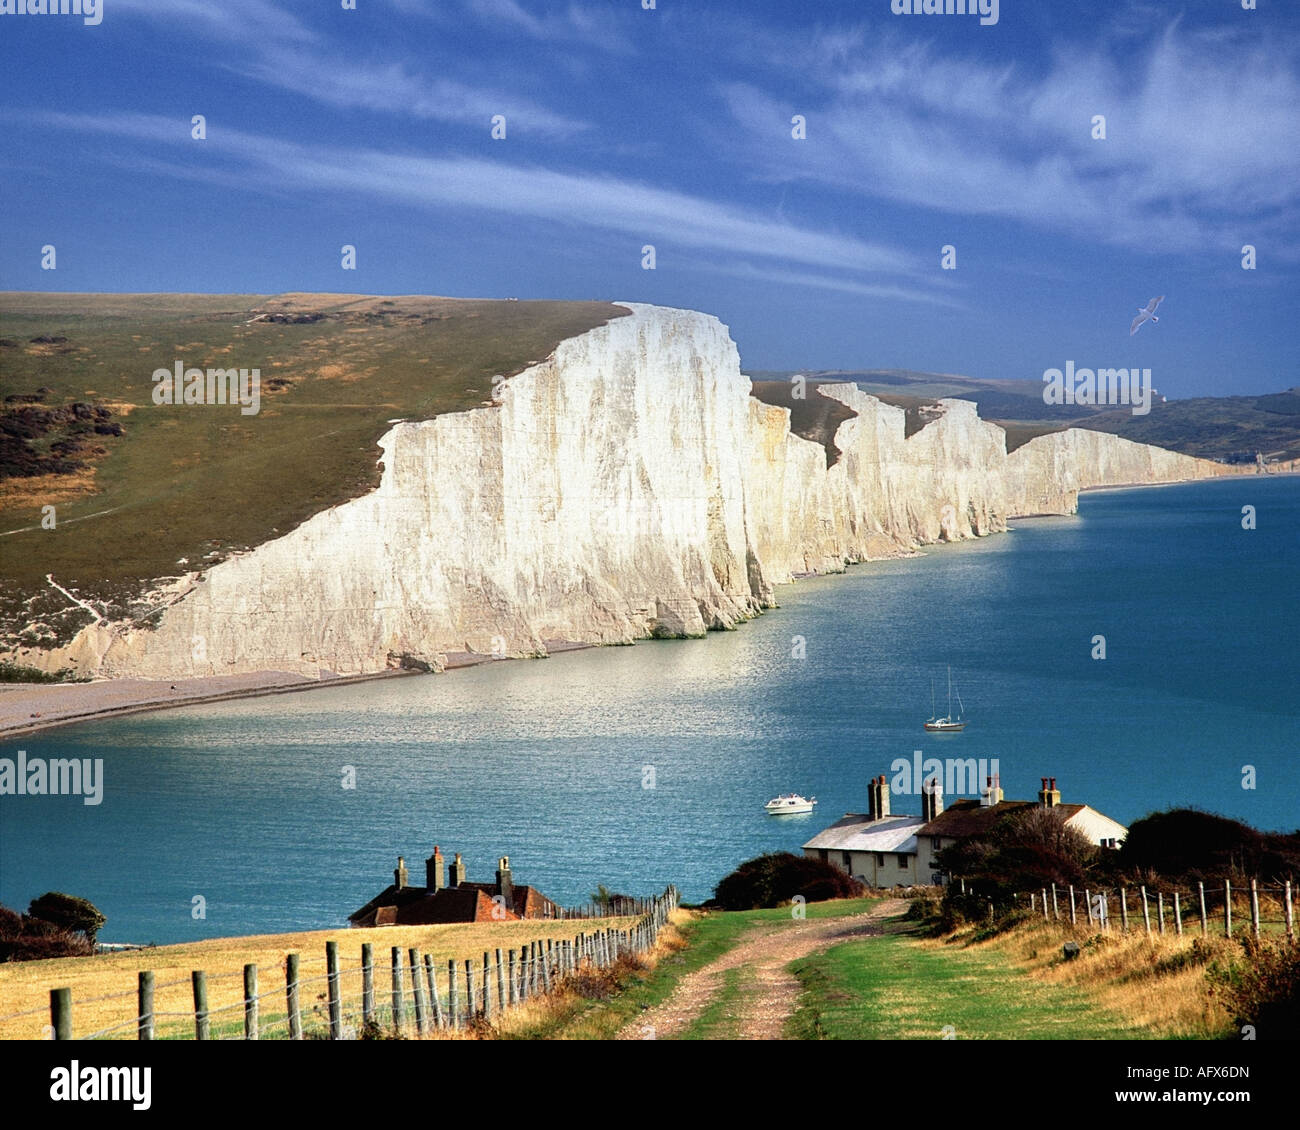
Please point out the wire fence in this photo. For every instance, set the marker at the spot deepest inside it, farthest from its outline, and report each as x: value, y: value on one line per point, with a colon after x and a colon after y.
x: 409, y: 994
x: 1206, y: 908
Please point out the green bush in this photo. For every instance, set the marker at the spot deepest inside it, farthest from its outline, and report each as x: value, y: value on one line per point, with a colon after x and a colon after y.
x: 776, y: 878
x: 1262, y: 989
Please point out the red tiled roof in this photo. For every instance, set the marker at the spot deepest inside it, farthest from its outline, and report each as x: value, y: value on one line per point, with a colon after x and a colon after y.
x: 470, y: 902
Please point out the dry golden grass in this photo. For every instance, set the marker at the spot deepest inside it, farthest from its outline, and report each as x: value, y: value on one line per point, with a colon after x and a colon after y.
x: 547, y: 1014
x: 46, y: 490
x: 25, y: 986
x: 1156, y: 982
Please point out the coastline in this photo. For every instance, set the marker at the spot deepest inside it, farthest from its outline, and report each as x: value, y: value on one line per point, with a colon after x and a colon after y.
x: 31, y: 708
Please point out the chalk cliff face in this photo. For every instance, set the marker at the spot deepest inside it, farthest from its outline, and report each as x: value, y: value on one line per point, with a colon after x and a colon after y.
x: 627, y: 486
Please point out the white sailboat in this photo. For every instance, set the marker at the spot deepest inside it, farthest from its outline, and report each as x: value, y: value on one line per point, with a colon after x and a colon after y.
x: 947, y: 724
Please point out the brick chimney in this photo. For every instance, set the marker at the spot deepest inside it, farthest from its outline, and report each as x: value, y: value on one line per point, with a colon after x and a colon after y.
x: 991, y: 794
x: 457, y: 871
x: 931, y: 799
x: 435, y: 871
x: 505, y: 888
x: 399, y: 874
x: 877, y: 798
x: 1049, y: 796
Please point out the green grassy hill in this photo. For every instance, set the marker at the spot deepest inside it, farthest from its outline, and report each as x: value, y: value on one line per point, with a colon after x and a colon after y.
x: 138, y: 486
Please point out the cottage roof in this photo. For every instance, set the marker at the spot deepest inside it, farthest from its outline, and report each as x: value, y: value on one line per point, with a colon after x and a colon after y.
x: 858, y: 832
x: 971, y: 818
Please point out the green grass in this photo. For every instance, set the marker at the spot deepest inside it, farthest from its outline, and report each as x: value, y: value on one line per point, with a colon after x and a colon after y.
x: 183, y: 481
x: 707, y: 938
x: 894, y: 988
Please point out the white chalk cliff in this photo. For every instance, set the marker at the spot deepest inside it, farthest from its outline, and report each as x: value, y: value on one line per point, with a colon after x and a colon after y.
x: 629, y: 485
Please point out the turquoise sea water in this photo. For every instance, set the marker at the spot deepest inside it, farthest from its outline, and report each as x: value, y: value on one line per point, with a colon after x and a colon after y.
x: 547, y: 761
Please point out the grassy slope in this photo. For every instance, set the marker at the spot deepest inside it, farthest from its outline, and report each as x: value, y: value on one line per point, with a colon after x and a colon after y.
x: 891, y: 988
x: 902, y: 985
x: 187, y: 481
x: 1015, y: 985
x: 25, y: 985
x: 697, y: 940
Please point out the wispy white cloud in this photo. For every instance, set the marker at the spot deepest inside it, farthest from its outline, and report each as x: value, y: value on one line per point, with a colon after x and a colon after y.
x: 394, y: 88
x: 642, y: 212
x: 809, y: 280
x: 573, y: 25
x: 283, y: 52
x: 1202, y: 135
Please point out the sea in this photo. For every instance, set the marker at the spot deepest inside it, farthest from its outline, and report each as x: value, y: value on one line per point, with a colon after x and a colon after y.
x: 1142, y: 652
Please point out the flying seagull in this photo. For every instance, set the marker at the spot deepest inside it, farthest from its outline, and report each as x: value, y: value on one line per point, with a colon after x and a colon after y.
x: 1146, y: 313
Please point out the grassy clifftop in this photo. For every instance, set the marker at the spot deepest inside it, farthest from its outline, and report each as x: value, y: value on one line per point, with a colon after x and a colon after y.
x: 138, y: 486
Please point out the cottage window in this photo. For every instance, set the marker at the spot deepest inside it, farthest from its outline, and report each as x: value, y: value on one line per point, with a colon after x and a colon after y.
x: 880, y: 859
x: 936, y: 842
x: 848, y: 862
x: 824, y: 854
x: 902, y: 859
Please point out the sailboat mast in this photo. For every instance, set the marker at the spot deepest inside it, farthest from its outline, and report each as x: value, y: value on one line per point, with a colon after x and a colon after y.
x: 949, y: 692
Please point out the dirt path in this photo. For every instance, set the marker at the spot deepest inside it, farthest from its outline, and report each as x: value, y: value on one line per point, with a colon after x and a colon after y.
x: 771, y: 999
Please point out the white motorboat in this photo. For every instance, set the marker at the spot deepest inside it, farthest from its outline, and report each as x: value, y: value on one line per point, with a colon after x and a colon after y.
x: 790, y: 804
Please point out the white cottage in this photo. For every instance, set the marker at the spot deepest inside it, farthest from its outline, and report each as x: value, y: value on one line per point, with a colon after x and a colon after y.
x: 884, y: 850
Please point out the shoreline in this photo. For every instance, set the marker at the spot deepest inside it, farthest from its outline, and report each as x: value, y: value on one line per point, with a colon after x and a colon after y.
x: 141, y: 696
x: 32, y: 708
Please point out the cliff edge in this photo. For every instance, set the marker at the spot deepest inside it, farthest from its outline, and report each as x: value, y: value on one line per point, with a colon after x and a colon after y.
x: 625, y: 487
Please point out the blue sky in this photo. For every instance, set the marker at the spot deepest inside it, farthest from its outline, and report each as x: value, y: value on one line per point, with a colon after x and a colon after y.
x: 672, y: 127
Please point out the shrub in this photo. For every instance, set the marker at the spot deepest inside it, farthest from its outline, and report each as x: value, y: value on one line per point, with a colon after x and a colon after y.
x: 1263, y: 989
x: 28, y: 937
x: 68, y: 912
x: 776, y: 878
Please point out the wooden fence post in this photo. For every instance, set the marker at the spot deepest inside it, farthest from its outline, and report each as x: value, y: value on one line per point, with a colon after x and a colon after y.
x: 487, y: 986
x: 417, y: 994
x: 1146, y: 911
x: 144, y: 1003
x: 471, y: 1000
x: 1178, y: 915
x: 1087, y: 905
x: 546, y: 970
x: 1160, y: 909
x: 291, y: 995
x: 399, y: 1005
x: 1205, y: 918
x: 61, y: 1013
x: 1056, y: 910
x: 1074, y: 921
x: 453, y: 996
x: 199, y: 980
x: 501, y: 980
x: 332, y: 985
x: 512, y: 980
x: 367, y: 983
x: 439, y: 1020
x: 250, y: 1002
x: 1123, y: 909
x: 1227, y: 907
x: 1254, y: 906
x: 1290, y: 920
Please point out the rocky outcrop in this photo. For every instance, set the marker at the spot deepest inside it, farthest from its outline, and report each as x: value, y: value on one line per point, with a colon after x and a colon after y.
x: 627, y: 486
